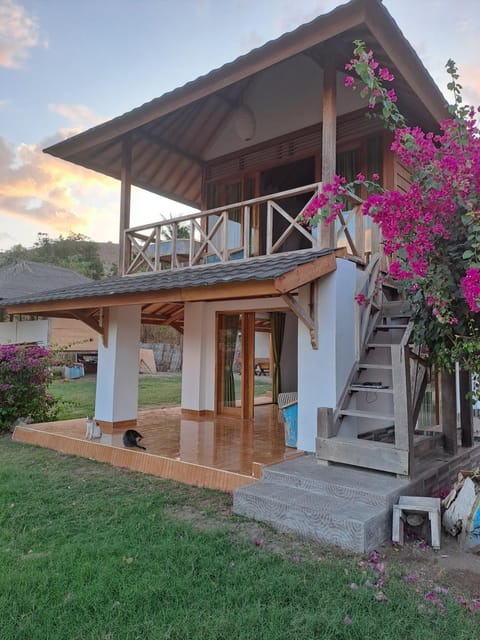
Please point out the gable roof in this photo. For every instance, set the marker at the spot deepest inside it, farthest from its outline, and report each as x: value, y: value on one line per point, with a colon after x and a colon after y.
x: 28, y: 278
x: 170, y: 133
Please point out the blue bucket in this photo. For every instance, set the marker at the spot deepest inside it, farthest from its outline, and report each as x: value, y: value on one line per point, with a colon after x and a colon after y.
x: 290, y: 414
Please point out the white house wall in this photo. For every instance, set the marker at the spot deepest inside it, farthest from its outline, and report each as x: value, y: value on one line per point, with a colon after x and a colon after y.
x: 199, y: 348
x: 295, y: 88
x: 20, y: 331
x: 323, y: 372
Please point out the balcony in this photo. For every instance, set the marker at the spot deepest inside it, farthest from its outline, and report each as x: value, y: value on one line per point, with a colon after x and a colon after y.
x: 242, y: 230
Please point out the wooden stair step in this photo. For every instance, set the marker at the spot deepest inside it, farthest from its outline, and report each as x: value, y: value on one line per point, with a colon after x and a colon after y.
x: 386, y: 327
x: 379, y: 345
x: 365, y: 365
x: 372, y: 389
x: 356, y: 413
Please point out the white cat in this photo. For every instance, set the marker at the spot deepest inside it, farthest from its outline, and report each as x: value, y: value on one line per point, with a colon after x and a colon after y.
x: 93, y: 429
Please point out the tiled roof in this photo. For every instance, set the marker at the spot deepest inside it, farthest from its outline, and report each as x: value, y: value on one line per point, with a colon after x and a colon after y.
x: 262, y: 268
x: 28, y: 278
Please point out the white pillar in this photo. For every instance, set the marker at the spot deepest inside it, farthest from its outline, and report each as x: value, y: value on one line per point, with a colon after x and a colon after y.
x: 323, y: 372
x: 116, y: 400
x: 198, y: 377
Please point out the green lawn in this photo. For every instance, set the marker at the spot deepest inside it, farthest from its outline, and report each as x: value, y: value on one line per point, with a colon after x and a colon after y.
x: 77, y: 396
x: 93, y: 552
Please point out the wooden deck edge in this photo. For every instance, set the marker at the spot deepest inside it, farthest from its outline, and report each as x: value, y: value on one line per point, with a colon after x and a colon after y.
x: 164, y: 467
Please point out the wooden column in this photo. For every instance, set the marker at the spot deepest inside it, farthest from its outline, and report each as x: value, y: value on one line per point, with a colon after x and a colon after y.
x: 326, y: 232
x: 402, y: 403
x: 448, y: 411
x: 466, y: 411
x: 125, y: 201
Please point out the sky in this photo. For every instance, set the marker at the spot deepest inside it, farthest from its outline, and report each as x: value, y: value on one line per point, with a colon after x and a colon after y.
x: 66, y: 65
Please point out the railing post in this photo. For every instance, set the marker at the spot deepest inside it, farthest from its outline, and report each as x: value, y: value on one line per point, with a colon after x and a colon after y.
x: 246, y: 232
x: 268, y: 250
x: 359, y: 232
x: 157, y: 247
x: 402, y: 401
x: 224, y: 250
x: 192, y: 243
x: 448, y: 411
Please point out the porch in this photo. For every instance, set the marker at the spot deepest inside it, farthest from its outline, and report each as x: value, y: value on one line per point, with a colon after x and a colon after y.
x: 217, y: 453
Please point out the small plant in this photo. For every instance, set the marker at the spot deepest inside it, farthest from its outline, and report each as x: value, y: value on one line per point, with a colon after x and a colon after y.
x: 24, y: 377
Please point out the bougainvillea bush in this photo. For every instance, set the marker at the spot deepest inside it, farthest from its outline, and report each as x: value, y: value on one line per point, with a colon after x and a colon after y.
x: 24, y: 379
x: 432, y: 231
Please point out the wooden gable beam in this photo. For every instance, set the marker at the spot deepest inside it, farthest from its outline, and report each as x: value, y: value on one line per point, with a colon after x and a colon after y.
x: 100, y: 325
x: 306, y: 273
x: 308, y: 317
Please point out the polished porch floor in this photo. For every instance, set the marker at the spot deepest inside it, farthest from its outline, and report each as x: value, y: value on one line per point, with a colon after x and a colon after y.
x: 220, y: 453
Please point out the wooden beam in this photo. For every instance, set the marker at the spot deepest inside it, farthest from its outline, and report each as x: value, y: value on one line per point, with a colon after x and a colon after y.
x: 327, y: 233
x: 125, y: 201
x: 159, y: 142
x: 221, y: 291
x: 306, y: 273
x: 304, y: 316
x: 362, y: 453
x: 87, y: 319
x: 448, y: 411
x: 466, y: 409
x: 402, y: 402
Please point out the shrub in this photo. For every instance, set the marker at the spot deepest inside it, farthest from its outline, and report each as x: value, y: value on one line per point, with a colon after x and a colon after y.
x: 24, y: 379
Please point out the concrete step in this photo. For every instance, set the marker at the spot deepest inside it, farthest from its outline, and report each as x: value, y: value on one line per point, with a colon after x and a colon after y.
x: 338, y: 481
x: 348, y: 524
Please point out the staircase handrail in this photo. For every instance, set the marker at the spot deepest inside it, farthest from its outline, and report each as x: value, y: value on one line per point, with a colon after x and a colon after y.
x: 363, y: 307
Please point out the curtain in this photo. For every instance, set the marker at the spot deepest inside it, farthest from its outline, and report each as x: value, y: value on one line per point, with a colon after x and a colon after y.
x: 277, y: 319
x: 231, y: 326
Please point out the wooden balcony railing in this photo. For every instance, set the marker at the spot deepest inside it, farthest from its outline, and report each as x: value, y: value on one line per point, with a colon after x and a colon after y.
x: 242, y: 230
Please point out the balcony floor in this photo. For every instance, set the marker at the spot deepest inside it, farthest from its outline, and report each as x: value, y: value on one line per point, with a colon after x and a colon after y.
x: 220, y: 453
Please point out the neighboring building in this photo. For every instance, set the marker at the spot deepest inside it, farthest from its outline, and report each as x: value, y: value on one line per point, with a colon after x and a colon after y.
x: 32, y: 278
x: 249, y: 145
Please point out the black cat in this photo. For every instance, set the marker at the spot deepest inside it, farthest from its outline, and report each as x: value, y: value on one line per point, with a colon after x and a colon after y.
x: 131, y: 438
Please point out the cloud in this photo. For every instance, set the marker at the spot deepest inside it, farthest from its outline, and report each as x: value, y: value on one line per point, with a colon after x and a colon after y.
x: 19, y: 32
x: 79, y: 116
x: 53, y: 195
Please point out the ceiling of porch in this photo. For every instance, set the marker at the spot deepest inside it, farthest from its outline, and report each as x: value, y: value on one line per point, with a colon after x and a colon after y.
x: 173, y: 137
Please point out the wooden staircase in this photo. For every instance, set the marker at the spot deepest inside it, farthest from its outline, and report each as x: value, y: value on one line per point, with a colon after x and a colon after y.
x: 373, y: 423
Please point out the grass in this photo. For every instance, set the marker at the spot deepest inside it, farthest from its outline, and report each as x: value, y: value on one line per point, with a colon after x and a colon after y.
x: 89, y: 551
x: 77, y: 396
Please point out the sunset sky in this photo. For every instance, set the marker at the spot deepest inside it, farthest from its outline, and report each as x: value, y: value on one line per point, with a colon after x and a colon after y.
x: 66, y: 65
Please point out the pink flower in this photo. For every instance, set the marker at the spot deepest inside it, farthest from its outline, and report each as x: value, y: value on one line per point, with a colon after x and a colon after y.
x: 349, y: 81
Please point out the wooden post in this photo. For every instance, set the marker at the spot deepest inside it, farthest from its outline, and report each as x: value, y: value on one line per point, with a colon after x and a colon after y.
x: 466, y: 412
x: 325, y: 427
x: 125, y: 201
x: 402, y: 402
x: 448, y: 411
x: 327, y: 232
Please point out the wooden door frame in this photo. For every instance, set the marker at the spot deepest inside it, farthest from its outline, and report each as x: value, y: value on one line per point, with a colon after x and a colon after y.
x: 247, y: 354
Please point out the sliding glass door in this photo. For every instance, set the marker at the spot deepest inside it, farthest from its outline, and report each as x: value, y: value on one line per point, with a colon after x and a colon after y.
x: 235, y: 364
